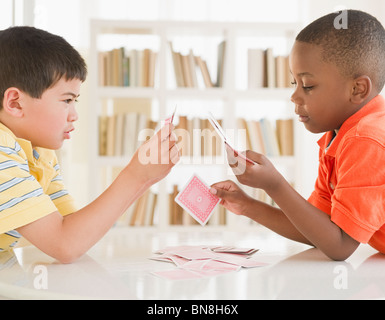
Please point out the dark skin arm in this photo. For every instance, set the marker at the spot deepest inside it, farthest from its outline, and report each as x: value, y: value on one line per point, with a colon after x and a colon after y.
x: 296, y: 218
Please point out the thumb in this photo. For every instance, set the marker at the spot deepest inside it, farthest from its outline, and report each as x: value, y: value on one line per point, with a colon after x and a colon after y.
x: 220, y: 193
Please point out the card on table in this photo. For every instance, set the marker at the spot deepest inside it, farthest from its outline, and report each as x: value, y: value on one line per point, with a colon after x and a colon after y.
x: 197, y: 200
x: 230, y: 249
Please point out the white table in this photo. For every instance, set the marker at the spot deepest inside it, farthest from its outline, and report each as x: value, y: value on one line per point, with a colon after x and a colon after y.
x: 119, y: 267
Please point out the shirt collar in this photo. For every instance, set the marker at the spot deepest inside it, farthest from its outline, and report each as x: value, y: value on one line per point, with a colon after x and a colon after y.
x: 375, y: 105
x: 30, y: 152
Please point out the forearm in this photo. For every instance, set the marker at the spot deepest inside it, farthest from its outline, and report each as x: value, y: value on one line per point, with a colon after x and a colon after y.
x: 95, y: 219
x: 314, y: 224
x: 274, y: 219
x: 67, y: 238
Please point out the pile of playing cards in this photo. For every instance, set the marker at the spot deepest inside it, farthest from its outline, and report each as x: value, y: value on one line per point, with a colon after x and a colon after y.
x: 204, y: 261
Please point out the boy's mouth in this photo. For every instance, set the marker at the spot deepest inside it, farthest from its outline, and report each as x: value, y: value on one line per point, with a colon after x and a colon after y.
x: 303, y: 118
x: 67, y: 134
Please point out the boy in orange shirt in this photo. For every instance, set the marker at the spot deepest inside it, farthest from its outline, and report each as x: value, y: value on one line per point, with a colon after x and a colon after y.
x: 338, y: 74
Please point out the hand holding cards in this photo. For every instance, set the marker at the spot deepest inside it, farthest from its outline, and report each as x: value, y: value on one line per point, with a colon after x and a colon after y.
x: 222, y: 135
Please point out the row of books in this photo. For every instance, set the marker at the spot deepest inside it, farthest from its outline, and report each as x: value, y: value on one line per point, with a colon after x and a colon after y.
x: 127, y: 68
x: 119, y: 133
x: 144, y: 212
x: 264, y: 137
x: 196, y: 137
x: 266, y: 70
x: 191, y: 71
x: 136, y: 68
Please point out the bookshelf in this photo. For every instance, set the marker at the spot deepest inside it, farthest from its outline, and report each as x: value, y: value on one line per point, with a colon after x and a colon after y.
x: 200, y: 67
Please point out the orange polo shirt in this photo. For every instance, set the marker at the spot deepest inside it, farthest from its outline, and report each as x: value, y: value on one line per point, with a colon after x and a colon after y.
x: 351, y: 180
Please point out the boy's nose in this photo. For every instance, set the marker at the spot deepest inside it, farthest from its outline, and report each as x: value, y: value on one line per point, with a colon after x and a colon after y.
x: 295, y: 97
x: 73, y: 115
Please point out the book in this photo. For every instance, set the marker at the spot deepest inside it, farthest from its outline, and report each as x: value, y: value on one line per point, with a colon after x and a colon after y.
x: 265, y: 70
x: 256, y: 68
x: 264, y: 137
x: 270, y: 68
x: 202, y: 65
x: 191, y: 71
x: 285, y: 135
x: 221, y: 63
x: 177, y: 63
x: 127, y: 68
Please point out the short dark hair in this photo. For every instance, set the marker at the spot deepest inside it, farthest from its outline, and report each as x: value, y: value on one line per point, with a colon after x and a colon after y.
x: 358, y: 49
x: 33, y: 60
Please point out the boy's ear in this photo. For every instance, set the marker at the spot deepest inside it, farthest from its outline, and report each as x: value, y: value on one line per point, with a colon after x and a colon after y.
x: 11, y: 102
x: 362, y: 88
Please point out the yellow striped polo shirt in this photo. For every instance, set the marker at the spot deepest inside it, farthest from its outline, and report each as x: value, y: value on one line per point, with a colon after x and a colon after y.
x: 31, y: 186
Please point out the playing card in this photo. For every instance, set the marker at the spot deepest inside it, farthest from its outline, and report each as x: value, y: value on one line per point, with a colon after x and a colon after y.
x: 228, y: 249
x: 239, y: 261
x: 217, y: 127
x: 197, y: 200
x: 170, y: 119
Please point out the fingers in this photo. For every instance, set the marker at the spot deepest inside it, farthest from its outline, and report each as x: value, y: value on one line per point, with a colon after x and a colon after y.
x: 255, y: 156
x: 174, y: 154
x: 169, y: 144
x: 220, y: 193
x: 222, y: 189
x: 165, y: 132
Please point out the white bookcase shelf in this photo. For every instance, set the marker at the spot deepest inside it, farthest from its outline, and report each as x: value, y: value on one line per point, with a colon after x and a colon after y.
x: 230, y: 101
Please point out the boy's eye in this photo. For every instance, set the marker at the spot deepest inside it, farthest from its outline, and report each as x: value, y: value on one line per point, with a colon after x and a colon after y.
x: 305, y: 88
x: 308, y: 88
x: 68, y: 101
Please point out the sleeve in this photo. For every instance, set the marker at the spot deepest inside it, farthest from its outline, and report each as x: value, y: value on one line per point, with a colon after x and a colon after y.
x: 63, y: 201
x: 22, y: 199
x: 358, y: 202
x: 321, y: 196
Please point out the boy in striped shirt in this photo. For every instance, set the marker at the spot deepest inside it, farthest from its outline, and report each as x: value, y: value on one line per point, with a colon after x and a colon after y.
x: 40, y: 79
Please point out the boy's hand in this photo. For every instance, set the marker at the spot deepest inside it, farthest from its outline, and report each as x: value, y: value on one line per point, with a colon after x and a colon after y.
x: 232, y: 197
x: 261, y: 175
x: 155, y: 158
